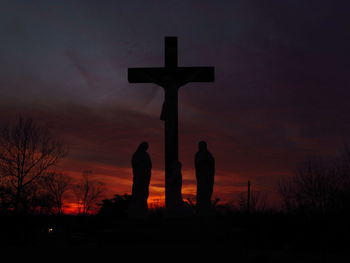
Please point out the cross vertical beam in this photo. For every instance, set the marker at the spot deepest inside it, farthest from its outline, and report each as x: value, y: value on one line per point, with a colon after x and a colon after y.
x: 171, y: 138
x: 170, y: 55
x: 171, y: 144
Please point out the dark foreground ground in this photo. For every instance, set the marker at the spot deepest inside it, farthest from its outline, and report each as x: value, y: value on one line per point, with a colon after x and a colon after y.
x: 248, y: 238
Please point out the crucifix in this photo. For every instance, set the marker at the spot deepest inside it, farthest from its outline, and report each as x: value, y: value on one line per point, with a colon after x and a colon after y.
x: 171, y: 78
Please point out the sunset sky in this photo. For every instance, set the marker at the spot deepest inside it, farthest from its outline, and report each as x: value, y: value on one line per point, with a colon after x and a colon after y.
x: 281, y: 93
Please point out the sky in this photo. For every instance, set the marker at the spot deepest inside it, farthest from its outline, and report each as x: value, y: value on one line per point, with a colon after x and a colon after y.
x: 280, y: 94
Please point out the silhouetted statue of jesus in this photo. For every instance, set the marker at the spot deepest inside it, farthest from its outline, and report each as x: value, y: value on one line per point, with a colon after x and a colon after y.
x: 141, y: 169
x: 205, y: 172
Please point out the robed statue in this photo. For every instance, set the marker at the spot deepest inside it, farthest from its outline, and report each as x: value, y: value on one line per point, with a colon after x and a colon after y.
x: 205, y: 172
x: 141, y: 169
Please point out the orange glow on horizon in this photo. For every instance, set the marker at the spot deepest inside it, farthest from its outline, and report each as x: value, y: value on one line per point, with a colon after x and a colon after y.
x: 118, y: 180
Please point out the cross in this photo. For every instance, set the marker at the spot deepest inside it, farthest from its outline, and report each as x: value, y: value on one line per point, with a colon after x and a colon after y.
x: 171, y: 78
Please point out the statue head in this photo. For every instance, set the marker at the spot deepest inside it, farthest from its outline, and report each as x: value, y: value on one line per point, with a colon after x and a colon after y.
x: 143, y: 146
x: 202, y: 146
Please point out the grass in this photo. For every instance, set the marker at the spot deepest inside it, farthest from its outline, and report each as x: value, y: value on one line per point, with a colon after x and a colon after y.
x: 259, y: 237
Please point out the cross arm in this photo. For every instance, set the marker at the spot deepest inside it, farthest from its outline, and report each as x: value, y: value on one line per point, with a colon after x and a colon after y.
x: 196, y: 74
x: 143, y: 75
x: 173, y: 76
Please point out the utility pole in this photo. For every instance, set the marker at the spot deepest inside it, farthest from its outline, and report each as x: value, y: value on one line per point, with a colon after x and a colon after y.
x: 248, y: 197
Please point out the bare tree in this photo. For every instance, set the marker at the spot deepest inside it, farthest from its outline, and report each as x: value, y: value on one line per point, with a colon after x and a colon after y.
x: 56, y: 185
x: 5, y: 199
x: 26, y: 152
x: 87, y: 193
x: 39, y: 201
x: 343, y: 169
x: 313, y: 186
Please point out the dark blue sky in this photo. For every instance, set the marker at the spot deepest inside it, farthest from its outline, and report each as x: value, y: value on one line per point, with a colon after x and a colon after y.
x: 280, y: 96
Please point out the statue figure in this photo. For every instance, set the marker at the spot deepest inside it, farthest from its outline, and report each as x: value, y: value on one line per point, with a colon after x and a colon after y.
x: 175, y: 185
x: 205, y: 172
x: 141, y: 168
x: 176, y: 207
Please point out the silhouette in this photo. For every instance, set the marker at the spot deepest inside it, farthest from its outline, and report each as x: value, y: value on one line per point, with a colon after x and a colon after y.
x: 56, y: 185
x: 205, y: 172
x: 171, y: 78
x: 116, y: 207
x: 175, y: 186
x: 141, y: 168
x: 87, y: 192
x: 40, y: 152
